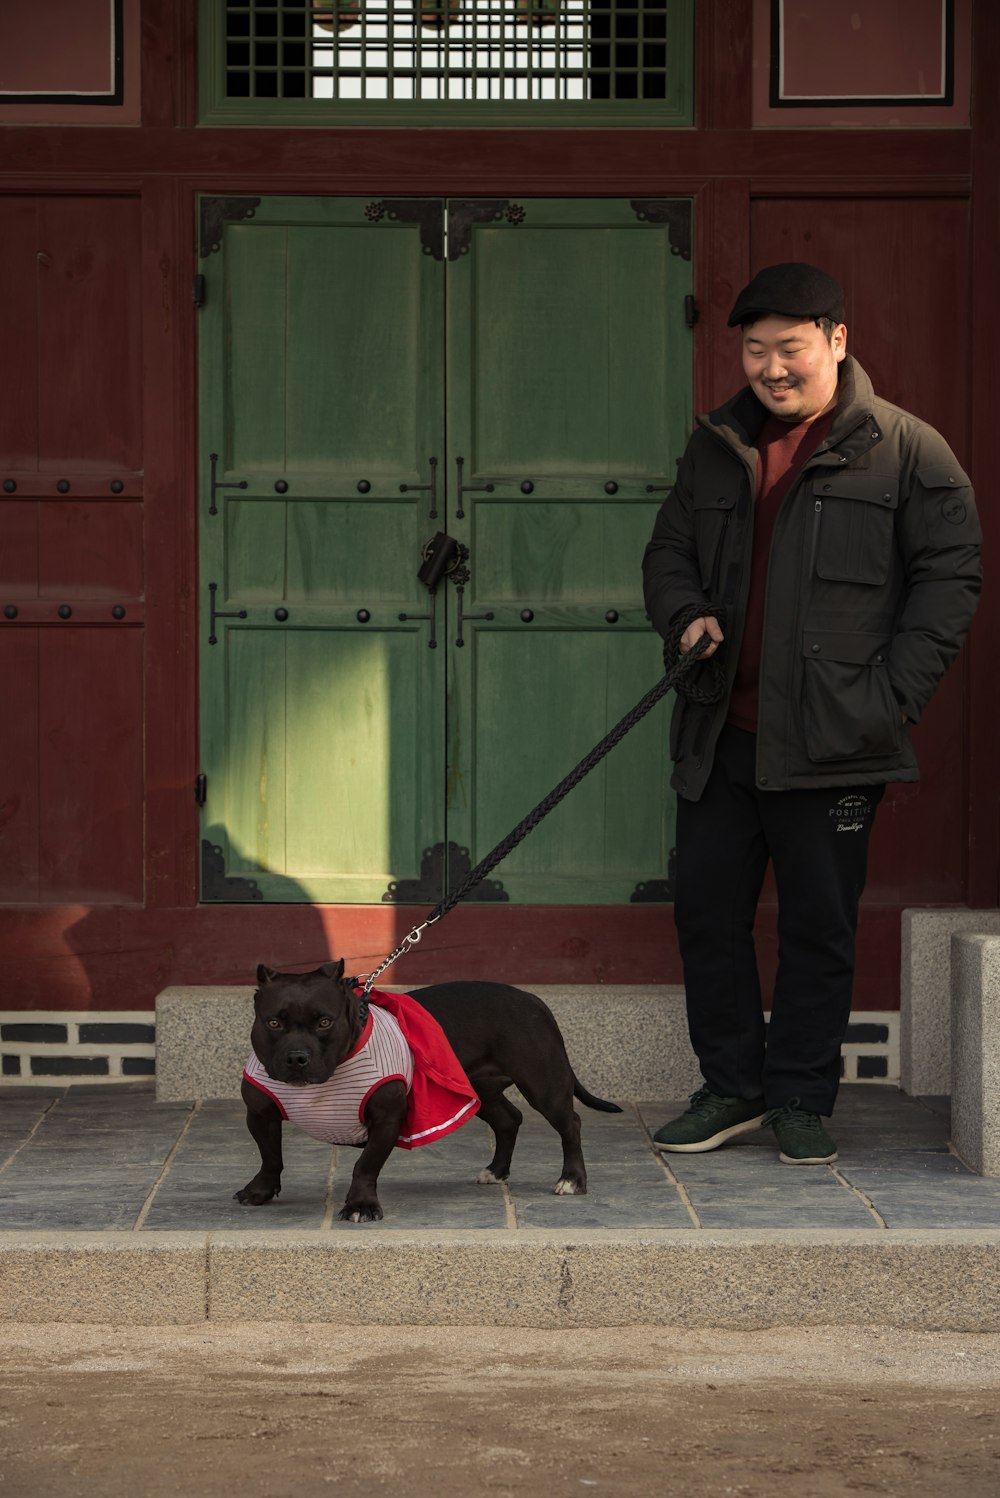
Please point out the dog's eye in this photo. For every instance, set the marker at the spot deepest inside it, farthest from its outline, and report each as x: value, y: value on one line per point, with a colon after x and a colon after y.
x: 274, y: 1024
x: 324, y: 1023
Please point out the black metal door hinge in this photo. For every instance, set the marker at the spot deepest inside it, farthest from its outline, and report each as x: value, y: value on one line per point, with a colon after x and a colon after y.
x: 198, y: 293
x: 201, y: 789
x: 690, y: 311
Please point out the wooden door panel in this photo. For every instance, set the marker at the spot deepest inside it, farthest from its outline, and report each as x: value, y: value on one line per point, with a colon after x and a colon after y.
x: 91, y: 549
x: 89, y: 269
x: 90, y: 764
x: 323, y: 535
x: 563, y: 316
x: 326, y: 334
x: 322, y: 788
x: 580, y: 555
x: 19, y: 546
x: 539, y: 702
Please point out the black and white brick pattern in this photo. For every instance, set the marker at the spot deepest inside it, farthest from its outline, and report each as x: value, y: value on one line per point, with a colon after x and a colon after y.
x: 46, y: 1048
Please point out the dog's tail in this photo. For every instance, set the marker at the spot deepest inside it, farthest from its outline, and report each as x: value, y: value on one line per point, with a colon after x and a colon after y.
x: 591, y: 1101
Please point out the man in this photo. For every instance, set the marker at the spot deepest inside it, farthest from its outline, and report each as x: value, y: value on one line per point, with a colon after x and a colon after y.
x: 827, y: 544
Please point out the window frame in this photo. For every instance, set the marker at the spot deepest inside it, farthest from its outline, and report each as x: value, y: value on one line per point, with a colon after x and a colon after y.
x: 676, y: 111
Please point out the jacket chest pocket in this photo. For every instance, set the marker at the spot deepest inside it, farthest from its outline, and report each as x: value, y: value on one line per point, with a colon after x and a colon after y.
x: 854, y: 518
x: 712, y: 517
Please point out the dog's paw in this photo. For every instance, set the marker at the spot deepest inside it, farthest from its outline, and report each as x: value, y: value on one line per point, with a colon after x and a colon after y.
x: 487, y: 1178
x: 569, y: 1187
x: 358, y: 1212
x: 255, y: 1193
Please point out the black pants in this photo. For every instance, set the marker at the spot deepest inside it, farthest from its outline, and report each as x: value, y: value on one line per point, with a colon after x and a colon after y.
x: 817, y: 841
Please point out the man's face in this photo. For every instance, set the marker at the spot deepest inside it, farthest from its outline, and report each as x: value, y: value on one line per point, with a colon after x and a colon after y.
x: 792, y: 365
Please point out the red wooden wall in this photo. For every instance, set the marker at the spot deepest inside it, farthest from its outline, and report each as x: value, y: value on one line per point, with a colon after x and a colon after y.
x: 98, y: 743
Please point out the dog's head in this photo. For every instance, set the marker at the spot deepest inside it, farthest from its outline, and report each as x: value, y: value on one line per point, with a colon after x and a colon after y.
x: 304, y: 1023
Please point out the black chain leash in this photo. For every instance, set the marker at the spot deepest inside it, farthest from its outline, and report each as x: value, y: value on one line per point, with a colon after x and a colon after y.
x: 703, y: 683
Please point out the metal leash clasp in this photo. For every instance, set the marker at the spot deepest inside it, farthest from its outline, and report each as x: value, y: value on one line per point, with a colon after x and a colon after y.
x: 410, y: 940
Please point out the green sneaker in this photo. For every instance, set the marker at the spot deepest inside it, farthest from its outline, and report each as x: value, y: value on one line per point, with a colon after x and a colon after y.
x: 800, y: 1135
x: 709, y: 1122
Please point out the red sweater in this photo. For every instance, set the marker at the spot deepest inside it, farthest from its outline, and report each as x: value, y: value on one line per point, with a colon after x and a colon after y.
x: 783, y: 451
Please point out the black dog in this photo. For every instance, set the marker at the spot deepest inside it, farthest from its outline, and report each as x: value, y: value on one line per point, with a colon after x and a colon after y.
x: 305, y: 1025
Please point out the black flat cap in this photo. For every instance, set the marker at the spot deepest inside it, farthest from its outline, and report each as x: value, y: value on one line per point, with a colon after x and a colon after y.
x: 792, y: 289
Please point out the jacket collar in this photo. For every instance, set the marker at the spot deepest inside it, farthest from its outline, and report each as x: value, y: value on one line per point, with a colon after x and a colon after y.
x: 739, y: 420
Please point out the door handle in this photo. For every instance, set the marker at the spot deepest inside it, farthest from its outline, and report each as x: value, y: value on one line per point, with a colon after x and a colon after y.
x: 432, y: 486
x: 432, y: 616
x: 460, y: 576
x: 463, y: 488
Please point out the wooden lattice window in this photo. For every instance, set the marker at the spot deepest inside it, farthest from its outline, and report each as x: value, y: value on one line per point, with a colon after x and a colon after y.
x: 403, y: 61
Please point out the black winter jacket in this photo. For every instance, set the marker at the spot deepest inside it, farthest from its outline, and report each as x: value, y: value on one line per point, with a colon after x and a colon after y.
x: 871, y: 586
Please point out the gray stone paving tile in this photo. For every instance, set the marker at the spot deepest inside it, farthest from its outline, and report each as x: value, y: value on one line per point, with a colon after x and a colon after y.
x: 433, y: 1186
x: 426, y: 1204
x: 110, y: 1205
x: 902, y: 1165
x: 734, y: 1169
x: 17, y: 1119
x: 604, y: 1206
x: 216, y: 1157
x: 905, y: 1208
x: 942, y: 1188
x: 936, y: 1103
x: 790, y: 1205
x: 206, y: 1204
x: 785, y: 1214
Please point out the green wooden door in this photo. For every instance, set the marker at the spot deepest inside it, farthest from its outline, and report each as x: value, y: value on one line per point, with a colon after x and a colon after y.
x: 521, y: 383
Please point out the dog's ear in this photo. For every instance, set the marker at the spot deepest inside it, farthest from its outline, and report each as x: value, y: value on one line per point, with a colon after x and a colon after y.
x: 265, y: 975
x: 334, y: 970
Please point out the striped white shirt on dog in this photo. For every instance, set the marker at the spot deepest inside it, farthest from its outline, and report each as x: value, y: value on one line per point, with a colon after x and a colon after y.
x: 334, y: 1110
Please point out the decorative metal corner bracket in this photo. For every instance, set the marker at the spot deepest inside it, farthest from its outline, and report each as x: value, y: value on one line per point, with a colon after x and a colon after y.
x: 430, y: 885
x: 216, y: 884
x: 427, y: 213
x: 464, y: 212
x: 658, y: 891
x: 675, y: 213
x: 215, y: 212
x: 652, y: 892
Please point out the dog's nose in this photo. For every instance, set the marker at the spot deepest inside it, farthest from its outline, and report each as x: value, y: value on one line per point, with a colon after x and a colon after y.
x: 298, y: 1058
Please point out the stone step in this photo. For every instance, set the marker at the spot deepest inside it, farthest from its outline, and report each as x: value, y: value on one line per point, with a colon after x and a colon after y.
x: 944, y: 1280
x: 624, y: 1041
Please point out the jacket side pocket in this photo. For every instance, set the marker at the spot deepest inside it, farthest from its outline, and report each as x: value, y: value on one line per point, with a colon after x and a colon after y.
x: 849, y: 710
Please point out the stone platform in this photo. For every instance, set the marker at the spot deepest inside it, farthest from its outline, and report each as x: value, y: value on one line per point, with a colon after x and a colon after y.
x: 117, y: 1208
